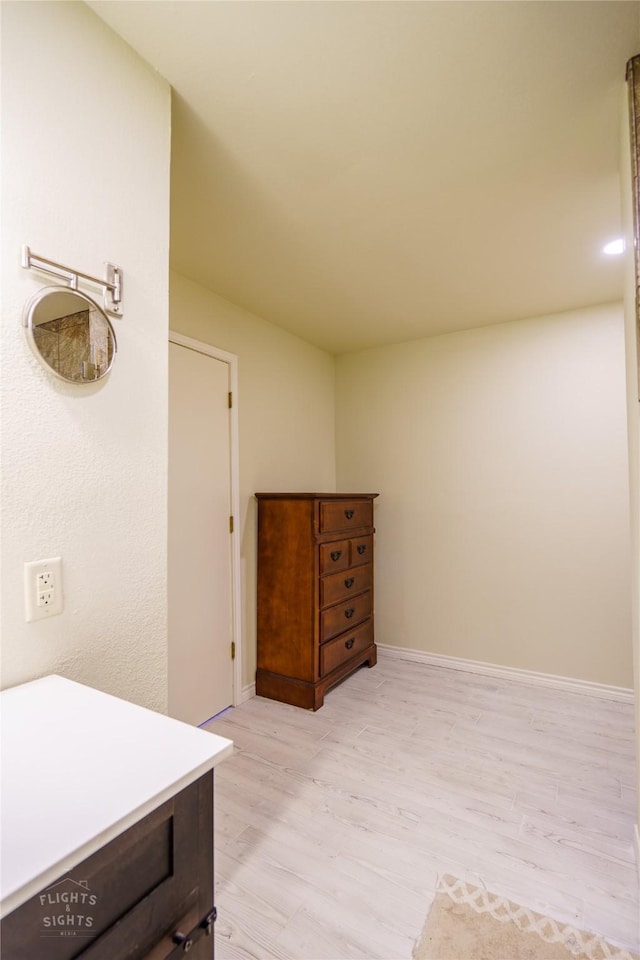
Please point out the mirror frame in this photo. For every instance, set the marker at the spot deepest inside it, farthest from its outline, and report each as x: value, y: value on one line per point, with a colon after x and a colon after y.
x: 28, y: 322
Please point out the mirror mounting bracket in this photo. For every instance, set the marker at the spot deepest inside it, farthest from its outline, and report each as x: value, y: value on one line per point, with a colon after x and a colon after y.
x: 111, y: 284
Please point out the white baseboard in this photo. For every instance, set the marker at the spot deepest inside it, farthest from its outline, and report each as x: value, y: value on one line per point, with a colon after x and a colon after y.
x: 636, y: 844
x: 600, y: 690
x: 247, y: 693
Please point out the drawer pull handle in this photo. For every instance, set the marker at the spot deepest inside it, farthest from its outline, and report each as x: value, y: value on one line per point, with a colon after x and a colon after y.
x: 207, y: 923
x: 349, y: 643
x: 336, y: 554
x: 349, y: 513
x: 183, y: 940
x: 350, y: 612
x: 349, y: 582
x: 205, y: 928
x: 361, y: 548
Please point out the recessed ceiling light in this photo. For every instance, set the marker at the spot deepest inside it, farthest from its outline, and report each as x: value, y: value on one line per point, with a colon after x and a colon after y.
x: 614, y: 248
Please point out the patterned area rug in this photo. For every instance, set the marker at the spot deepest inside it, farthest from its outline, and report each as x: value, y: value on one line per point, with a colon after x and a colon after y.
x: 469, y: 923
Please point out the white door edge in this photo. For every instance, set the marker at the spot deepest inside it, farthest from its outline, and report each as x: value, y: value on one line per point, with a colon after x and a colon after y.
x: 236, y: 604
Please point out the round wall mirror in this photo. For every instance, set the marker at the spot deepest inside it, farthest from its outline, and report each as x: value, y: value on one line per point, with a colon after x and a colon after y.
x: 70, y: 334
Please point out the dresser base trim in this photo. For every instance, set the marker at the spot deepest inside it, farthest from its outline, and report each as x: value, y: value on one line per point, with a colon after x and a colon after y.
x: 301, y: 693
x: 586, y: 687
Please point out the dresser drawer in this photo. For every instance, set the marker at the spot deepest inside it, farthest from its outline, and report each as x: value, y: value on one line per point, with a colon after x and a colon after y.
x: 344, y: 647
x: 334, y: 556
x: 342, y: 515
x: 337, y: 619
x: 349, y: 583
x: 361, y: 550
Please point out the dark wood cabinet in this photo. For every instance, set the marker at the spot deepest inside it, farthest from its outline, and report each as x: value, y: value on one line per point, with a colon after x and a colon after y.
x: 132, y: 899
x: 315, y: 593
x: 106, y: 827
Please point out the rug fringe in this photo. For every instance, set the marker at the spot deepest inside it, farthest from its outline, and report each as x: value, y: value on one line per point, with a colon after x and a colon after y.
x: 576, y: 941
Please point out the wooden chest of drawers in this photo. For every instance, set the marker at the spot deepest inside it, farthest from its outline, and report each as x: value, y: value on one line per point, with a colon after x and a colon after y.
x: 315, y: 593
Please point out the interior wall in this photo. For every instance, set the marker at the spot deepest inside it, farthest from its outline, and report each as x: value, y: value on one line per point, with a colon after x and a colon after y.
x: 285, y: 410
x: 633, y: 424
x: 85, y: 179
x: 500, y: 456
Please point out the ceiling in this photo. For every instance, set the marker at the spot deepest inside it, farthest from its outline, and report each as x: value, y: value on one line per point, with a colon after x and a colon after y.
x: 364, y: 173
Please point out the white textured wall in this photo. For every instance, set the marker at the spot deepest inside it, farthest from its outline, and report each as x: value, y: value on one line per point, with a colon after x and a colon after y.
x: 285, y: 410
x: 85, y: 178
x: 500, y: 456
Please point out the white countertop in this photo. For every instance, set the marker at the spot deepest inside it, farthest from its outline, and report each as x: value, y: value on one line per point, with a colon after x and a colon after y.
x: 78, y: 768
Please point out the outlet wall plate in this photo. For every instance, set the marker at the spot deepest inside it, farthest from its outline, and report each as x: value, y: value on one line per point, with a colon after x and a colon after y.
x: 43, y: 596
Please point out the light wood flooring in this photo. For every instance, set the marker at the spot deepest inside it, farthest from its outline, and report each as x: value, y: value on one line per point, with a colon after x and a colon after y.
x: 333, y: 827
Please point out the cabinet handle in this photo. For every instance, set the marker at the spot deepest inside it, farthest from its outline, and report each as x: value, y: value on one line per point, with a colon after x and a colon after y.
x: 350, y: 612
x: 349, y: 513
x: 183, y: 940
x: 349, y: 643
x: 336, y: 554
x: 361, y: 548
x: 349, y: 582
x: 204, y: 928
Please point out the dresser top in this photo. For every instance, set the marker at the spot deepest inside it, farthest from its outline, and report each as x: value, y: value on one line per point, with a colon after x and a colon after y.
x: 78, y: 768
x: 316, y: 496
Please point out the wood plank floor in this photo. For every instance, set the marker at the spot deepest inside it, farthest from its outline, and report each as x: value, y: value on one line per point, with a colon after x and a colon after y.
x: 332, y: 828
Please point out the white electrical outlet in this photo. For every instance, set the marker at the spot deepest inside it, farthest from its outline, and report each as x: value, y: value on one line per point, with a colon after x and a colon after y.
x: 45, y: 580
x: 43, y: 588
x: 45, y: 598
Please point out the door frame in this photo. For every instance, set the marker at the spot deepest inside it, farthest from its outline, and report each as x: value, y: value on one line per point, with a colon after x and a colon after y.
x: 234, y: 463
